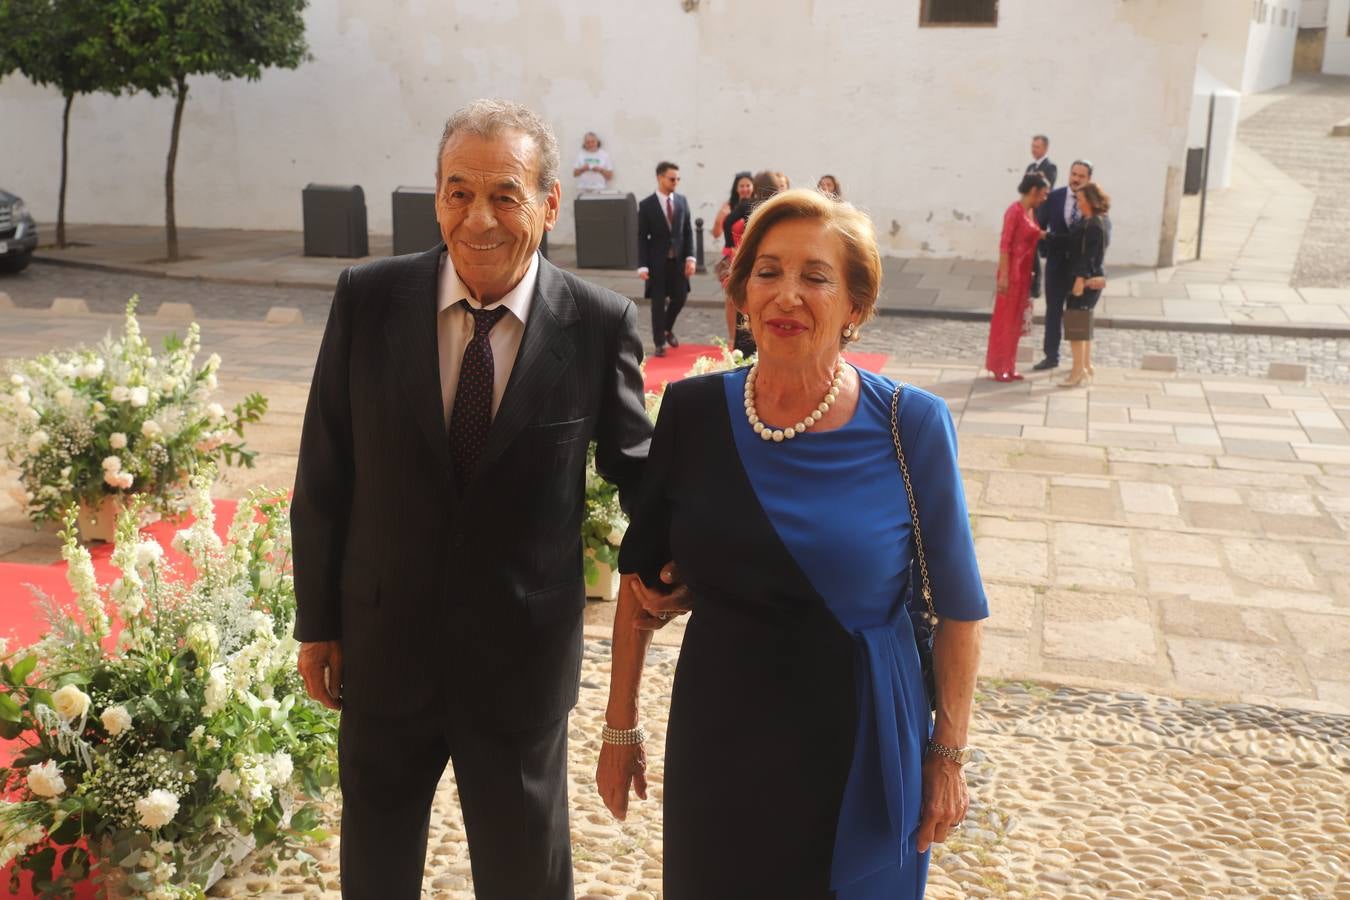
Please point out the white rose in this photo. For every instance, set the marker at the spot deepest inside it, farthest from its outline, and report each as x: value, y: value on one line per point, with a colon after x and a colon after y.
x: 112, y: 464
x: 140, y: 396
x: 70, y: 702
x: 65, y: 370
x: 228, y: 782
x: 217, y: 691
x: 22, y: 397
x: 616, y: 536
x: 267, y: 579
x: 116, y: 720
x: 151, y: 363
x: 118, y: 441
x: 215, y: 412
x: 150, y: 428
x: 16, y: 379
x: 92, y: 369
x: 148, y: 553
x: 282, y: 768
x: 31, y: 416
x: 157, y: 808
x: 65, y: 396
x: 45, y: 779
x: 37, y: 440
x: 168, y: 386
x: 120, y: 394
x: 97, y: 408
x: 212, y: 382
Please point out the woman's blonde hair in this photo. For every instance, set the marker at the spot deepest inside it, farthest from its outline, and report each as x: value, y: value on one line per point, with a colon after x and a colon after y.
x: 862, y: 260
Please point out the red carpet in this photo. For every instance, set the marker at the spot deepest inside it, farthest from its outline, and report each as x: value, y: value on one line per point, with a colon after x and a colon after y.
x: 677, y: 362
x: 22, y: 623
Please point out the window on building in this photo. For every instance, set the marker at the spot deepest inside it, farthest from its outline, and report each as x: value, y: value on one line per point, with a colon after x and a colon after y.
x: 1284, y: 18
x: 959, y: 12
x: 1262, y: 20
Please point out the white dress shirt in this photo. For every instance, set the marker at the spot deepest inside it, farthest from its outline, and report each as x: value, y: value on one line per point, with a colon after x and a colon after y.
x: 454, y: 330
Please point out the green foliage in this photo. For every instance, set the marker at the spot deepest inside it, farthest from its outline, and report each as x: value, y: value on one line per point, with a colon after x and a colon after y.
x: 65, y: 44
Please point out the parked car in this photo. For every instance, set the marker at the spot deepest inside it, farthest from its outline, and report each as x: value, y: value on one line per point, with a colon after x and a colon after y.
x: 18, y: 234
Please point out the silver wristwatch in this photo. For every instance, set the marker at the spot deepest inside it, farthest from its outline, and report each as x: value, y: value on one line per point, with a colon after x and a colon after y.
x: 958, y: 755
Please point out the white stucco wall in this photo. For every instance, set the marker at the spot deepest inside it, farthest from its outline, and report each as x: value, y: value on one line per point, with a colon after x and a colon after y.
x: 1227, y: 28
x: 1336, y: 57
x: 1227, y: 105
x: 1270, y: 47
x: 1313, y: 14
x: 927, y: 129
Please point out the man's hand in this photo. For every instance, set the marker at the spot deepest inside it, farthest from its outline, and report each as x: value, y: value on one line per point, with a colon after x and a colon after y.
x: 644, y: 274
x: 659, y: 608
x: 1096, y: 283
x: 945, y: 800
x: 689, y: 267
x: 321, y: 668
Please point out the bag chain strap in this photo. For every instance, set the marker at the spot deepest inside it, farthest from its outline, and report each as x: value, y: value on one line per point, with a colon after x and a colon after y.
x: 927, y: 590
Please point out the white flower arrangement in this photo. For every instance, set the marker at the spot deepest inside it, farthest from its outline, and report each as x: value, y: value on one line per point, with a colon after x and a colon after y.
x: 145, y: 758
x: 81, y: 425
x: 604, y: 524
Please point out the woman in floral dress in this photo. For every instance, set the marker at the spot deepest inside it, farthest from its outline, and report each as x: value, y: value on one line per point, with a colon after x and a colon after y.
x: 1012, y: 305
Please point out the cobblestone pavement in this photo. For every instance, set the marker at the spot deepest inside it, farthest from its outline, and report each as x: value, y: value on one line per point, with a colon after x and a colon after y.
x: 903, y: 337
x: 1074, y: 794
x: 1294, y: 133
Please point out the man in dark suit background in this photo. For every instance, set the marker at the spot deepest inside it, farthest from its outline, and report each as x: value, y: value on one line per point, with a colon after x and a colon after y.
x: 1057, y: 215
x: 437, y: 518
x: 665, y: 253
x: 1040, y: 162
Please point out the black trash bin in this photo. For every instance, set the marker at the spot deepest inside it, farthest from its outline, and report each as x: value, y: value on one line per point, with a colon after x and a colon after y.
x: 415, y: 227
x: 1195, y: 170
x: 335, y: 220
x: 606, y: 231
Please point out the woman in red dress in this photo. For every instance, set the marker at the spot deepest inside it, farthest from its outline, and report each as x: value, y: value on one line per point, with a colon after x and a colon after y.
x: 1012, y: 305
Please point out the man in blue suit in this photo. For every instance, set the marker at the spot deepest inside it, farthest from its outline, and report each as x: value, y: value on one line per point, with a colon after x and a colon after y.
x: 1057, y: 215
x: 665, y: 253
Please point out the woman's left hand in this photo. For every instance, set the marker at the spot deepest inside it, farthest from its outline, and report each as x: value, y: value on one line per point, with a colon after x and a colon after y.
x: 1078, y: 285
x: 657, y: 607
x: 945, y: 800
x: 1097, y: 283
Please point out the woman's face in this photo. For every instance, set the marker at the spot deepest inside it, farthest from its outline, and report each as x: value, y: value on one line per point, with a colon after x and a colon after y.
x: 1037, y: 196
x: 782, y: 181
x: 744, y: 188
x: 591, y: 143
x: 796, y: 297
x: 826, y: 185
x: 1084, y: 206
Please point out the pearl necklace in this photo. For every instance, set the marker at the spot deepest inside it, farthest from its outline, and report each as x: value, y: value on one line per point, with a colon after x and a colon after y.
x: 787, y: 434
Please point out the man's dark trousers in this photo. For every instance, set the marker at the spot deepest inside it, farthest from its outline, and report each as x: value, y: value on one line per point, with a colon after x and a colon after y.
x: 668, y: 282
x: 1058, y: 282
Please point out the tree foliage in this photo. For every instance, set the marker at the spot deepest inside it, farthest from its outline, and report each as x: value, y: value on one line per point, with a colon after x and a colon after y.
x: 165, y: 42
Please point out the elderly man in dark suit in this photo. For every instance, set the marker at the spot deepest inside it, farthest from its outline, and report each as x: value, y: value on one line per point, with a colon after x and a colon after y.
x: 665, y: 253
x: 437, y: 518
x: 1057, y: 215
x: 1040, y: 162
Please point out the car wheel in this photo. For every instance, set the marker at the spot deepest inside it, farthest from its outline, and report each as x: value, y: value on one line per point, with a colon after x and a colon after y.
x: 14, y: 264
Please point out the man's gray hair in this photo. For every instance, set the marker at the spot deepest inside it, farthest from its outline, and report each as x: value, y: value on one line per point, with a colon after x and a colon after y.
x: 489, y: 117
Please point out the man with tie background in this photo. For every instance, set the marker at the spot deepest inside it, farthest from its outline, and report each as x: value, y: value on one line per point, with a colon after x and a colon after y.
x: 1040, y: 162
x: 665, y: 253
x: 1058, y: 215
x: 437, y: 518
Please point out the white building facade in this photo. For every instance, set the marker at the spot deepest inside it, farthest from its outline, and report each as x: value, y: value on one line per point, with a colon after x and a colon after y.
x: 927, y: 126
x: 1336, y: 53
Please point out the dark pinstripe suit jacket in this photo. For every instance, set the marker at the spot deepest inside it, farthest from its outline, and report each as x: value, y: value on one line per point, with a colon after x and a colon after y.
x: 432, y: 592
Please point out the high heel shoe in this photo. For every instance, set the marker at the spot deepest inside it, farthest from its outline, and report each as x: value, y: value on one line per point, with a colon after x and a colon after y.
x: 1077, y: 378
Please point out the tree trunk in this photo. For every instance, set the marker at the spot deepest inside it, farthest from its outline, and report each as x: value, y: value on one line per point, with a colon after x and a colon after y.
x: 65, y: 155
x: 170, y: 223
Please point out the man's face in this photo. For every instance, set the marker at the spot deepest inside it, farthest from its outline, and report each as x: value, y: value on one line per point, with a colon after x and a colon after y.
x: 668, y: 181
x: 1078, y: 176
x: 1038, y: 148
x: 491, y: 213
x: 591, y: 143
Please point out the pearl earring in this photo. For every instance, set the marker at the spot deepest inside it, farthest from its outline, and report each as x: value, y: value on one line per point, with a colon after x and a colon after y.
x: 849, y: 331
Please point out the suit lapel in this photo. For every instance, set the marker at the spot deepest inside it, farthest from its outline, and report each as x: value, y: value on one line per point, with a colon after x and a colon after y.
x: 544, y: 354
x: 661, y: 213
x: 412, y: 338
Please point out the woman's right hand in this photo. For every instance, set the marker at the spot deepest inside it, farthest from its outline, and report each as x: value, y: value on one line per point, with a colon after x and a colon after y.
x: 1002, y: 284
x: 621, y: 766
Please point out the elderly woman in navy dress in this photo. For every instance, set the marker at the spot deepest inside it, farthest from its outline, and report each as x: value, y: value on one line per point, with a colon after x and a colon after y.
x: 802, y: 760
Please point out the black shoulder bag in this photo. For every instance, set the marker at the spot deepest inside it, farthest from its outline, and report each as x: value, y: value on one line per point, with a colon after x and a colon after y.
x: 923, y: 618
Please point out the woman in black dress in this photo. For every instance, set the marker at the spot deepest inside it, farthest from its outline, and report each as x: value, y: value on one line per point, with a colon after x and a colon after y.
x: 802, y: 762
x: 1086, y: 243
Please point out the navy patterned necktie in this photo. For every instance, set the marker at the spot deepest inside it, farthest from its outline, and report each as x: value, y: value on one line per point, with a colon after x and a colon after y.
x: 472, y: 414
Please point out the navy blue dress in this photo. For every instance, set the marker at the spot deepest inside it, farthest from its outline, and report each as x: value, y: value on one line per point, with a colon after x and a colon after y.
x: 798, y: 717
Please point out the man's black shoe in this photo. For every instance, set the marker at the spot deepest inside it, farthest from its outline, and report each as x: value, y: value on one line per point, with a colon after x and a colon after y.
x: 672, y: 339
x: 660, y: 351
x: 1046, y: 363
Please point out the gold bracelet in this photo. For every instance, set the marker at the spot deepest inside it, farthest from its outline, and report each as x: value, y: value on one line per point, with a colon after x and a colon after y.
x: 624, y: 737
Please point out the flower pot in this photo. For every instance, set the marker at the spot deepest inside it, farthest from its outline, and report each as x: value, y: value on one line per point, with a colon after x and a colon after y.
x: 99, y: 523
x: 606, y: 585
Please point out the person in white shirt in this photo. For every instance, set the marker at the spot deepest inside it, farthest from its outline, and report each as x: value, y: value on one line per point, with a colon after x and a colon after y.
x: 593, y: 169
